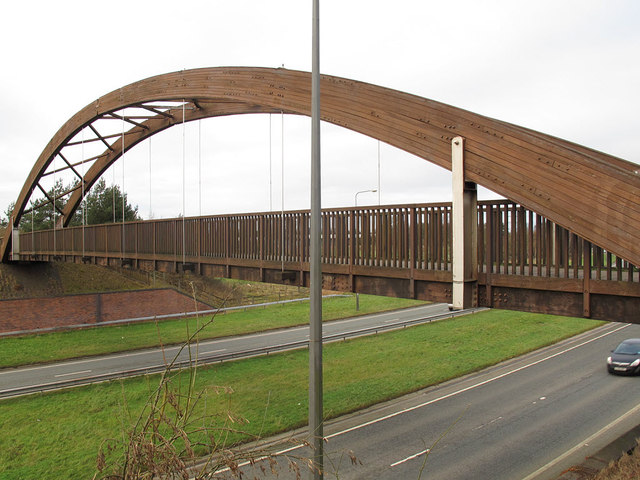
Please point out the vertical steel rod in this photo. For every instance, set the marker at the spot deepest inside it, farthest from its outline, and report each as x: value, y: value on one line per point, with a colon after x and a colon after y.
x: 282, y: 191
x: 54, y: 205
x: 315, y: 321
x: 200, y: 167
x: 123, y: 232
x: 270, y: 168
x: 184, y: 235
x: 150, y: 210
x: 378, y: 173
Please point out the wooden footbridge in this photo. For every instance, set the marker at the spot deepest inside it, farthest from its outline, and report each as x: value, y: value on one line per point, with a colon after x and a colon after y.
x: 565, y: 242
x: 524, y: 261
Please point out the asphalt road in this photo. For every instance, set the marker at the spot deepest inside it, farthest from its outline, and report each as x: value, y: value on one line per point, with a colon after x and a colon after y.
x: 528, y: 418
x: 87, y: 370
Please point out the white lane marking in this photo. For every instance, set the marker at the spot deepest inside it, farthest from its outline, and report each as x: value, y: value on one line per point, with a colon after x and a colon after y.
x: 428, y: 308
x: 475, y: 385
x: 392, y: 320
x: 79, y: 362
x: 386, y: 417
x: 259, y: 334
x: 213, y: 351
x: 260, y: 459
x: 487, y: 424
x: 72, y: 373
x: 623, y: 418
x: 328, y: 324
x: 144, y: 352
x: 409, y: 458
x: 126, y: 355
x: 202, y: 344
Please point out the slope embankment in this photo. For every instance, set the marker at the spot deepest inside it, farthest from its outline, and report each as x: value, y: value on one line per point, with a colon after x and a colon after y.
x: 45, y: 296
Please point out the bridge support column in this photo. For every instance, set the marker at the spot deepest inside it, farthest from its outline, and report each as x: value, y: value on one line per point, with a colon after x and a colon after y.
x: 15, y: 242
x: 465, y: 232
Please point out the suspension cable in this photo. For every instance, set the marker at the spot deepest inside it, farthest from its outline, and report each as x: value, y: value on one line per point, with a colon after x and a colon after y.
x: 113, y: 192
x: 84, y: 203
x: 282, y: 188
x: 54, y: 205
x: 199, y: 223
x: 378, y: 172
x: 199, y: 167
x: 124, y: 113
x: 150, y: 210
x: 270, y: 168
x: 183, y: 183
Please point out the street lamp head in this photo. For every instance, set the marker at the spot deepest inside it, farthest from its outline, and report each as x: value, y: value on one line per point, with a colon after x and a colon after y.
x: 363, y: 191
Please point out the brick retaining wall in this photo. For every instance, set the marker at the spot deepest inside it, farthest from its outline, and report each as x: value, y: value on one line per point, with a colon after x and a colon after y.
x: 91, y: 308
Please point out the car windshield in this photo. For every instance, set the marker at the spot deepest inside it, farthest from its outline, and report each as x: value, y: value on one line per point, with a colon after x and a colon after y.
x: 628, y: 348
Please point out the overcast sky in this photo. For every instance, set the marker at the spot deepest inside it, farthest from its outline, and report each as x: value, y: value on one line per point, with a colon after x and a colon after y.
x: 567, y: 68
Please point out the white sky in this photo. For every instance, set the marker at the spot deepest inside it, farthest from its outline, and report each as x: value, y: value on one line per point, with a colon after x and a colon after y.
x: 564, y: 67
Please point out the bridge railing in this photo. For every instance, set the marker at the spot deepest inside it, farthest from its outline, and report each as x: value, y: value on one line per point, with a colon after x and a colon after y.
x: 517, y: 241
x: 511, y: 240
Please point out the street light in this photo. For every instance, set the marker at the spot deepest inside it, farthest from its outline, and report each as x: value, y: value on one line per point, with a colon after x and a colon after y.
x: 363, y: 191
x: 356, y: 201
x: 316, y: 428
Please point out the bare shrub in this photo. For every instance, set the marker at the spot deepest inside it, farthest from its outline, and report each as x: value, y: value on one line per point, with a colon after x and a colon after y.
x: 174, y: 437
x: 626, y: 467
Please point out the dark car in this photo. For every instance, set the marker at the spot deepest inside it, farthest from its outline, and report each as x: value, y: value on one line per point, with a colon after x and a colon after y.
x: 625, y: 358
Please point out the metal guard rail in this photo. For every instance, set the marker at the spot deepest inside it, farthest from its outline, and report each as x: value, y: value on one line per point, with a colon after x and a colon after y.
x: 183, y: 364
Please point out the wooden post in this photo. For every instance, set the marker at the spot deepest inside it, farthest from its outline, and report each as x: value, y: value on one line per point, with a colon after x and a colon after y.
x: 353, y: 245
x: 199, y: 244
x: 302, y: 241
x: 465, y: 232
x: 261, y: 246
x: 227, y: 237
x: 412, y: 252
x: 154, y: 240
x: 586, y: 280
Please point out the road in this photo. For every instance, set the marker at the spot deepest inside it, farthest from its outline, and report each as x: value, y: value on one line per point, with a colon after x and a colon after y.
x: 87, y: 370
x: 528, y: 418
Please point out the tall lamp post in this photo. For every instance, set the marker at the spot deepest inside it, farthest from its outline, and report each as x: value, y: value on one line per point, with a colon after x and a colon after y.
x: 356, y: 202
x: 316, y: 430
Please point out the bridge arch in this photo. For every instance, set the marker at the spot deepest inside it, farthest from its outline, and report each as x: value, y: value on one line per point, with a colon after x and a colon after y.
x: 593, y: 194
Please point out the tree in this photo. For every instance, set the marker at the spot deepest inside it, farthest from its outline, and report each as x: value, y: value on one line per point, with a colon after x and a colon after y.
x: 42, y: 216
x: 3, y: 220
x: 99, y: 206
x: 99, y: 203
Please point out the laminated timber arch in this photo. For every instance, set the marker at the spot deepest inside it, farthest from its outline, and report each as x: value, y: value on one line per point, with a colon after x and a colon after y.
x: 595, y: 195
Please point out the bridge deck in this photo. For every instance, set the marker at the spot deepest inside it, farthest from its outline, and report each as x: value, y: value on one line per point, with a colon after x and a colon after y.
x: 525, y: 261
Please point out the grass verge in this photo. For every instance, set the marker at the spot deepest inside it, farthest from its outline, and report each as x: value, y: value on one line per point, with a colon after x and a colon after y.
x: 57, y: 435
x: 49, y: 347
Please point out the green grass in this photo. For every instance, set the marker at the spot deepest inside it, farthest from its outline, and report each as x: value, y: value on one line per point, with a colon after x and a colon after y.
x: 57, y: 435
x: 48, y: 347
x: 86, y: 278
